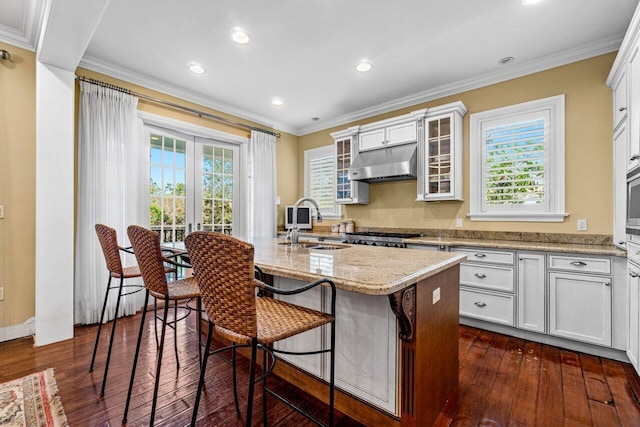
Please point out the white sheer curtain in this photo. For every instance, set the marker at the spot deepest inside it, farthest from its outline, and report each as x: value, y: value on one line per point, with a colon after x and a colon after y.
x: 262, y: 185
x: 113, y: 181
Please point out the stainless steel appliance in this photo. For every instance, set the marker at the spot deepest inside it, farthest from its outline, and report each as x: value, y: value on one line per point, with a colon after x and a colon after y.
x: 391, y: 240
x: 633, y: 202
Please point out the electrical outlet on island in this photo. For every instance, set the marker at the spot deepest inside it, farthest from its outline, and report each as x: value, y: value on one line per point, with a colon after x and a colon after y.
x: 582, y: 225
x: 458, y: 222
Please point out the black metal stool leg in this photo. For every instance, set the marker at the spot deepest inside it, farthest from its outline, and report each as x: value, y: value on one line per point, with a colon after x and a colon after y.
x: 159, y: 365
x: 113, y: 333
x: 198, y: 329
x: 104, y: 307
x: 202, y: 372
x: 264, y: 386
x: 155, y: 320
x: 234, y: 378
x: 135, y: 358
x: 175, y: 331
x: 252, y: 382
x: 332, y: 373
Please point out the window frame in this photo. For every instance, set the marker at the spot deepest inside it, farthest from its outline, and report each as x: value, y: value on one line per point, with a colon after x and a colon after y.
x: 314, y: 154
x: 554, y: 153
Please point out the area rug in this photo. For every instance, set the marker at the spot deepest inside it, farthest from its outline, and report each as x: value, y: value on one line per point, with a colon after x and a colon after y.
x: 31, y: 401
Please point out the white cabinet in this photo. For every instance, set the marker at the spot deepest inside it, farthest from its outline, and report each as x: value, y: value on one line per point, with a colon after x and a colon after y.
x: 633, y: 83
x: 389, y: 134
x: 633, y: 337
x: 580, y: 307
x: 620, y: 139
x: 620, y: 104
x: 531, y: 292
x: 440, y: 153
x: 347, y: 191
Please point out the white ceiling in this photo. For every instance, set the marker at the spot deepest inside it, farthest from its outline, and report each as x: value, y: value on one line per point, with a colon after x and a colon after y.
x: 306, y: 52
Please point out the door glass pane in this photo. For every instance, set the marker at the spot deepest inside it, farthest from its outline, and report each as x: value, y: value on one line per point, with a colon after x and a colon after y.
x: 167, y: 187
x: 217, y: 189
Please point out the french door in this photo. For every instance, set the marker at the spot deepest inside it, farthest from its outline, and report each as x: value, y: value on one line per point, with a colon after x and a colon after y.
x: 194, y: 185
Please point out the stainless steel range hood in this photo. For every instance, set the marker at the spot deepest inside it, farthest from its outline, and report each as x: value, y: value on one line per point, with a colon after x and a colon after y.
x: 395, y: 163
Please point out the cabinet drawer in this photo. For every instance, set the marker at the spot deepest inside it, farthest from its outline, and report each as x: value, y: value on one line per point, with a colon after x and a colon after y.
x: 633, y: 252
x: 487, y: 276
x: 582, y: 264
x: 480, y: 255
x: 486, y: 306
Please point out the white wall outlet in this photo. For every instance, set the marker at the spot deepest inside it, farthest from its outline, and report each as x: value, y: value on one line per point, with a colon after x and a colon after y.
x: 2, y: 293
x: 436, y: 295
x: 1, y: 211
x: 582, y: 225
x: 278, y: 201
x: 458, y: 222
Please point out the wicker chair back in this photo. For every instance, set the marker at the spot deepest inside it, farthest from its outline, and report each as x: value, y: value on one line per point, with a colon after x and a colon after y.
x: 110, y: 249
x: 146, y: 247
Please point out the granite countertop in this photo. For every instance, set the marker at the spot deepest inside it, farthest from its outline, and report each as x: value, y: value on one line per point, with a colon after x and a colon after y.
x: 565, y: 243
x: 356, y: 268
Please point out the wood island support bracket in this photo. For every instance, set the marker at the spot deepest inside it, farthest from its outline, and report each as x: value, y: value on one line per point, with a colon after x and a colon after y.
x: 403, y: 305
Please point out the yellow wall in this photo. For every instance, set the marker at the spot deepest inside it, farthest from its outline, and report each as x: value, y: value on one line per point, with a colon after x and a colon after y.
x: 588, y: 155
x: 17, y: 185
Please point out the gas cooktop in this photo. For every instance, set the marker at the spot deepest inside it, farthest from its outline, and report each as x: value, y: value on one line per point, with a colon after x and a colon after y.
x: 383, y: 234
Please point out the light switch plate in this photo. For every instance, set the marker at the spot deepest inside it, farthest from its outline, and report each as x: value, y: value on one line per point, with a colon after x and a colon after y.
x: 458, y: 222
x: 436, y: 295
x: 2, y: 293
x: 1, y: 211
x: 582, y: 225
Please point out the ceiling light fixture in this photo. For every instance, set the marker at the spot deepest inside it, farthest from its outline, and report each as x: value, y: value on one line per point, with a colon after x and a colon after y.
x: 278, y: 102
x: 196, y: 68
x: 240, y: 36
x: 530, y: 2
x: 506, y: 60
x: 363, y: 66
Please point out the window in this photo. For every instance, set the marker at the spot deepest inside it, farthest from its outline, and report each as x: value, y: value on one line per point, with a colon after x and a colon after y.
x: 319, y: 168
x: 517, y: 162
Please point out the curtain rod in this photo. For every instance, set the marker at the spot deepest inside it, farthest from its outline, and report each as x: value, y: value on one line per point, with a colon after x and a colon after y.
x: 177, y: 106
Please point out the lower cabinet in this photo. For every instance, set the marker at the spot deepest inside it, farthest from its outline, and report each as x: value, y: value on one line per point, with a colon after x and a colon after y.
x: 492, y: 307
x: 531, y: 292
x: 580, y: 307
x: 366, y: 344
x: 633, y: 280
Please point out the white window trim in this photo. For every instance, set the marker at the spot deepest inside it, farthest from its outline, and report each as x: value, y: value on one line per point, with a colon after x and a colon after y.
x: 314, y: 153
x: 554, y: 155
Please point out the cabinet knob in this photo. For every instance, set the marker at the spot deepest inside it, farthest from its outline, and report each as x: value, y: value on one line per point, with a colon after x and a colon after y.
x: 622, y: 109
x: 635, y: 157
x: 579, y: 263
x: 480, y: 255
x: 633, y: 274
x: 480, y: 275
x: 622, y: 242
x: 607, y: 283
x: 480, y: 304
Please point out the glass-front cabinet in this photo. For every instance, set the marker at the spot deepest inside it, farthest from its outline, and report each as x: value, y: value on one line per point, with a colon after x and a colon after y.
x: 347, y: 191
x: 440, y: 153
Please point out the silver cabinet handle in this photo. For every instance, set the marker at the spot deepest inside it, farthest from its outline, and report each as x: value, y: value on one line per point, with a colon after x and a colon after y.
x: 633, y: 274
x: 579, y: 263
x: 480, y: 255
x: 480, y: 304
x: 480, y: 275
x: 622, y: 242
x: 622, y: 109
x: 607, y: 283
x: 635, y: 157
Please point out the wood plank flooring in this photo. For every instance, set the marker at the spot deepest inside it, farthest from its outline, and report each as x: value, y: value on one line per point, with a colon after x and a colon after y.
x: 504, y: 381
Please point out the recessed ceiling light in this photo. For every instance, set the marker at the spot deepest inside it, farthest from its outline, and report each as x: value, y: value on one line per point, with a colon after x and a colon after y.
x: 278, y: 102
x: 530, y: 2
x: 240, y: 36
x: 506, y: 60
x: 196, y: 68
x: 363, y: 66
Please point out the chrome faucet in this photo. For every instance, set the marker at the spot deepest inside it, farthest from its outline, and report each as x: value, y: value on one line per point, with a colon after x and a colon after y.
x: 293, y: 233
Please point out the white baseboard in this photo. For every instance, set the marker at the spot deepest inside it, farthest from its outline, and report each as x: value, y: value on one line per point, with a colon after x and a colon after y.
x: 13, y: 332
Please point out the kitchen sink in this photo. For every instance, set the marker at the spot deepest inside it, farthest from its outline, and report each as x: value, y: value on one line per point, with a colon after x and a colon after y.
x: 313, y: 245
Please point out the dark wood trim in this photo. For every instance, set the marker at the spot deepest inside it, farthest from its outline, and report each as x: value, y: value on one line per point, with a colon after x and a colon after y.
x: 403, y: 305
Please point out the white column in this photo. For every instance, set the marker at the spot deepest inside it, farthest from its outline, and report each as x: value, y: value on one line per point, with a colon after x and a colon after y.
x: 54, y: 203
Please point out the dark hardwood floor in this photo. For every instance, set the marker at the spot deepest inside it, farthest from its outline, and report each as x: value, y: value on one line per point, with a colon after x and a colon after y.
x: 504, y: 381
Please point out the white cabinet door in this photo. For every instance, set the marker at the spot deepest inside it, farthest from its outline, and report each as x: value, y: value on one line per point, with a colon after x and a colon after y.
x: 633, y: 83
x: 307, y: 341
x: 366, y: 348
x: 580, y: 307
x: 402, y: 133
x: 372, y: 139
x: 620, y: 106
x: 620, y: 185
x: 633, y: 339
x: 531, y: 287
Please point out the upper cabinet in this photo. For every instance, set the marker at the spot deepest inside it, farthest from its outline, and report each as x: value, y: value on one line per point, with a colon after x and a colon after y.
x: 390, y: 133
x: 347, y: 191
x: 440, y: 153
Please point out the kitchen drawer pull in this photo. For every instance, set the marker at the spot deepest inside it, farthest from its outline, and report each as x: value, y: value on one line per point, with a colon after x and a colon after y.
x: 633, y: 274
x: 480, y: 304
x: 621, y: 109
x: 480, y: 275
x: 480, y: 255
x: 607, y: 283
x: 579, y: 263
x: 635, y: 157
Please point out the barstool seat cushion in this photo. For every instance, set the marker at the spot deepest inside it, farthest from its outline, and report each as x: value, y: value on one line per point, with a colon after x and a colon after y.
x: 182, y: 289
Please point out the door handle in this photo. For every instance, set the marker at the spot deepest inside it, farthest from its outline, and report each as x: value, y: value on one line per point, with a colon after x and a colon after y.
x: 480, y: 255
x: 190, y: 228
x: 579, y: 263
x: 480, y: 275
x: 480, y: 304
x: 198, y: 227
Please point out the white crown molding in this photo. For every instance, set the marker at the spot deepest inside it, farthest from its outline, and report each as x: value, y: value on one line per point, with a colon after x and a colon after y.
x: 98, y: 66
x: 625, y: 48
x: 601, y: 47
x: 27, y: 36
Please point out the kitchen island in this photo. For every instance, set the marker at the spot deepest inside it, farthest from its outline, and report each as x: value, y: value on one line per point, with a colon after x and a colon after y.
x: 396, y: 327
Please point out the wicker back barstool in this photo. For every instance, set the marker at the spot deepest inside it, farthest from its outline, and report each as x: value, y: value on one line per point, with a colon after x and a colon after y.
x: 146, y: 246
x: 224, y: 268
x: 111, y: 251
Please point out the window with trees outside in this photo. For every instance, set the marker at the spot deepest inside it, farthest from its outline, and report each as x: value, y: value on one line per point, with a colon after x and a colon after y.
x: 319, y: 173
x: 516, y: 162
